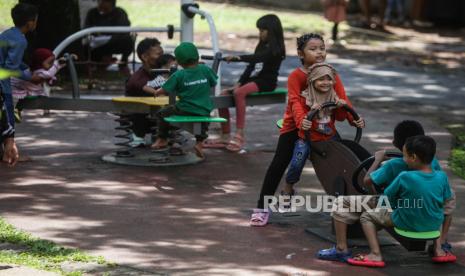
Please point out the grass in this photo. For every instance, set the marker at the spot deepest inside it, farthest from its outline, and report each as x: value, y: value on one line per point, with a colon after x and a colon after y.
x: 39, y: 254
x: 457, y: 159
x: 227, y: 17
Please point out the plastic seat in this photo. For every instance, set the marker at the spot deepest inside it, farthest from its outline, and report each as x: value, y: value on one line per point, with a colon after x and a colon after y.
x: 429, y: 235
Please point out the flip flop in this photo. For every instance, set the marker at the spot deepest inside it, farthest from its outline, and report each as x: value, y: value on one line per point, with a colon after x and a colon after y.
x: 448, y: 258
x: 361, y: 260
x: 236, y: 143
x: 259, y: 217
x: 214, y: 144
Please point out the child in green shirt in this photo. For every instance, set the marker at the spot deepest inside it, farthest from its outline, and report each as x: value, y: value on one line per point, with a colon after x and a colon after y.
x: 192, y: 85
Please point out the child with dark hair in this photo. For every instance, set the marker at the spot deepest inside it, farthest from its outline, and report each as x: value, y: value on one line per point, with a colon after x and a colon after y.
x: 311, y: 49
x: 44, y: 65
x: 261, y: 74
x: 420, y: 184
x: 166, y: 61
x: 149, y: 51
x: 12, y: 46
x: 383, y: 175
x: 192, y: 85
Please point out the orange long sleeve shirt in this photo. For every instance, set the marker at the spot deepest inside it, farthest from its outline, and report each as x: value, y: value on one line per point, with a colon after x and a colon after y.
x: 297, y: 109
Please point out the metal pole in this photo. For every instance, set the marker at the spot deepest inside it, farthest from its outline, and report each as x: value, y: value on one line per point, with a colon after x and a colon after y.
x: 187, y: 24
x: 82, y: 33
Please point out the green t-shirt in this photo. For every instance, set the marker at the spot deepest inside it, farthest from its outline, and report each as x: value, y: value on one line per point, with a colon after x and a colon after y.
x: 418, y: 200
x: 192, y: 86
x: 392, y: 168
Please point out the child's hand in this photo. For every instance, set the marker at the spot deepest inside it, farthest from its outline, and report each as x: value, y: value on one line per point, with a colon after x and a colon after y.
x: 316, y: 106
x: 341, y: 102
x: 360, y: 123
x: 380, y: 156
x: 231, y: 58
x: 306, y: 124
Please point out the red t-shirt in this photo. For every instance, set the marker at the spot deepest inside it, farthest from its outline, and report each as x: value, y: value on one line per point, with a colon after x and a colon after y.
x: 297, y: 109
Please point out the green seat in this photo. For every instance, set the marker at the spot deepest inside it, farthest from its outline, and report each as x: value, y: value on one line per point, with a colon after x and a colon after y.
x: 194, y: 119
x: 279, y: 123
x: 429, y: 235
x: 277, y: 91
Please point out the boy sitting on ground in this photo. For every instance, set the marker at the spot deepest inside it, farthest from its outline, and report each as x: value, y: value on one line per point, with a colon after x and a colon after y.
x: 420, y: 184
x: 192, y: 85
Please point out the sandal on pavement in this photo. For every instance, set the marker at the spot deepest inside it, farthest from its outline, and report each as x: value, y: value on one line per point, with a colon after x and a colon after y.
x: 448, y: 258
x: 259, y: 217
x: 214, y: 143
x: 332, y: 254
x: 236, y: 143
x: 362, y: 260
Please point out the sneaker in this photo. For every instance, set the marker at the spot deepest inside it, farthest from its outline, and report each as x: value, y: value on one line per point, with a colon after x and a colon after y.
x: 136, y: 141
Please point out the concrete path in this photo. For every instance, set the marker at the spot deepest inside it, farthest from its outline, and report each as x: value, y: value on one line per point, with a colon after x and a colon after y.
x: 193, y: 220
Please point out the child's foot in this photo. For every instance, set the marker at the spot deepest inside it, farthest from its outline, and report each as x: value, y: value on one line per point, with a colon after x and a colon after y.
x: 159, y: 144
x: 198, y: 150
x: 216, y: 143
x: 236, y: 143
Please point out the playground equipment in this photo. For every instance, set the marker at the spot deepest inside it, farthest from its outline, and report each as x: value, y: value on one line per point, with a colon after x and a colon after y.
x: 341, y: 165
x: 123, y: 107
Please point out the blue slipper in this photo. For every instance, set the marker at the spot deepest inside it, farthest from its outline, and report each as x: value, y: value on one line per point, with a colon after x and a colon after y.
x: 331, y: 254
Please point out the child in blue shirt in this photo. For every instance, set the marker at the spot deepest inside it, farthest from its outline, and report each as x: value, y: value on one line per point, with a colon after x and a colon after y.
x: 12, y: 46
x: 384, y: 175
x: 417, y: 198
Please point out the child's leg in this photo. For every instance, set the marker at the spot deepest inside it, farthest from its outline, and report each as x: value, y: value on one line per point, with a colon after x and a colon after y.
x: 341, y: 235
x: 335, y: 31
x: 239, y: 99
x: 224, y: 113
x: 298, y: 160
x: 449, y: 207
x: 342, y: 216
x: 199, y: 139
x: 163, y: 126
x: 371, y: 220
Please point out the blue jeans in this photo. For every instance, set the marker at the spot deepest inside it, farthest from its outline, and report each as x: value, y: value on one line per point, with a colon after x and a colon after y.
x: 299, y: 158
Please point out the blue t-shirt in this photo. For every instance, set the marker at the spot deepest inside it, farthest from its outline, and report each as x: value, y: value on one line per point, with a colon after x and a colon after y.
x: 392, y: 168
x: 418, y: 200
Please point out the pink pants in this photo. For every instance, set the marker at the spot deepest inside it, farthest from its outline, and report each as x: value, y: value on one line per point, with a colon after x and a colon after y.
x: 239, y: 98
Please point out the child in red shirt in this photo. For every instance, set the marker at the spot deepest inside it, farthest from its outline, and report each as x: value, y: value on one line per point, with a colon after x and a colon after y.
x: 311, y: 49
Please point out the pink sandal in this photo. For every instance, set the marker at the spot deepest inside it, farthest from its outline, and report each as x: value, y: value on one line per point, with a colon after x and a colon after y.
x: 214, y: 144
x: 236, y: 143
x: 259, y: 217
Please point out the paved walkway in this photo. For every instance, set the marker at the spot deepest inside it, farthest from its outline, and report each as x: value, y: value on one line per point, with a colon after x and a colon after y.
x: 194, y: 220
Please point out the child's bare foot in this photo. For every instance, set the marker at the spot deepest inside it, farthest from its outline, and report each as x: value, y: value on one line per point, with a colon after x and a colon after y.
x: 374, y: 257
x: 198, y: 150
x: 159, y: 144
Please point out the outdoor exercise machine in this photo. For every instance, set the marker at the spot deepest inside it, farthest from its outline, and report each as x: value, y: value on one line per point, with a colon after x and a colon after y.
x: 123, y: 107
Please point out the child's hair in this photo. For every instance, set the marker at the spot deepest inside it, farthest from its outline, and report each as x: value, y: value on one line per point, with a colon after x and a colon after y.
x: 22, y: 13
x: 165, y: 59
x: 302, y: 41
x: 424, y: 147
x: 38, y: 57
x: 112, y: 2
x: 145, y: 45
x: 275, y: 39
x: 404, y: 130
